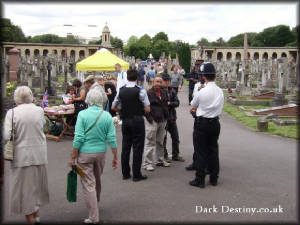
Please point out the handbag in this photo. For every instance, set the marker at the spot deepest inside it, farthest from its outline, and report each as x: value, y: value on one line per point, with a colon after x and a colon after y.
x: 9, y: 146
x: 72, y: 185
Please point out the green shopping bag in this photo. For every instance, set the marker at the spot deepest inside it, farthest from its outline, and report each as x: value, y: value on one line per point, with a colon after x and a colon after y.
x: 72, y: 185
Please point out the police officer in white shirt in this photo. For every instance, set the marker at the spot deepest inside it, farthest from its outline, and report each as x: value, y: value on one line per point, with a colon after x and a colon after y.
x: 121, y: 76
x: 207, y: 104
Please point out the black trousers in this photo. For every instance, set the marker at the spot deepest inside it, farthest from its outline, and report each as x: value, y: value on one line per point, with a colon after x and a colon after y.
x: 133, y: 132
x: 171, y: 127
x: 205, y: 137
x: 190, y: 94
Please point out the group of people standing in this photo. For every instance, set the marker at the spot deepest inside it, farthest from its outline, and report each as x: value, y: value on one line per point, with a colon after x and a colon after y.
x: 147, y: 116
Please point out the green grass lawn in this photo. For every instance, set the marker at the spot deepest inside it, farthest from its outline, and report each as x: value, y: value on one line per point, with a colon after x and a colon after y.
x: 251, y: 122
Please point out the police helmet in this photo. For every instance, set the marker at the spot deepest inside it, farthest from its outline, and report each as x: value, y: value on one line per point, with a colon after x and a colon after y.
x: 207, y: 69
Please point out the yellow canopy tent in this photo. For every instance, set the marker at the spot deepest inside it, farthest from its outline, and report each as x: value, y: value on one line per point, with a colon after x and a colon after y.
x: 102, y: 60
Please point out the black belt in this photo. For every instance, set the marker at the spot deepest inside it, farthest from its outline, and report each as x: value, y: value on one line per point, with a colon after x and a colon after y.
x: 205, y: 118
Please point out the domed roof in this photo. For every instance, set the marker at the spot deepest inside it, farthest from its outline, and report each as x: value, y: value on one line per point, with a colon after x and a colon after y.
x: 106, y: 29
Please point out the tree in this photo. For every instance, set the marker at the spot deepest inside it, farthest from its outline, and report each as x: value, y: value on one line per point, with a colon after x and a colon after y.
x: 159, y: 47
x: 10, y: 32
x: 132, y: 39
x: 54, y: 39
x: 277, y: 36
x: 70, y: 39
x: 46, y: 38
x: 238, y: 40
x: 116, y: 42
x: 295, y: 32
x: 203, y: 42
x: 146, y: 38
x: 160, y: 36
x: 95, y: 42
x: 184, y: 56
x: 221, y: 41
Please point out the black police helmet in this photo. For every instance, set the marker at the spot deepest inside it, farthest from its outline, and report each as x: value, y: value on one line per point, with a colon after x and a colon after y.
x: 207, y: 69
x: 166, y: 76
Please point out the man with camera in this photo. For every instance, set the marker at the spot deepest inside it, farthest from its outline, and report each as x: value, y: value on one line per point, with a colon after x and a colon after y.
x: 207, y: 104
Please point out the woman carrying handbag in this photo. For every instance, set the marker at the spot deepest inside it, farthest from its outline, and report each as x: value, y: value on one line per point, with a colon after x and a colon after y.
x: 94, y: 128
x: 28, y: 174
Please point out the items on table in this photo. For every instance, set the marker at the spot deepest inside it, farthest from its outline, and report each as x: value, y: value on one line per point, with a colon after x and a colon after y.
x: 61, y: 109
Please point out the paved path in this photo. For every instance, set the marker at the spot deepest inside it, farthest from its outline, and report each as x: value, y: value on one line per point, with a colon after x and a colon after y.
x: 257, y: 170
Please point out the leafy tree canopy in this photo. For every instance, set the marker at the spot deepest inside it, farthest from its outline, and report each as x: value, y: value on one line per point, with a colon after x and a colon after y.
x: 10, y: 32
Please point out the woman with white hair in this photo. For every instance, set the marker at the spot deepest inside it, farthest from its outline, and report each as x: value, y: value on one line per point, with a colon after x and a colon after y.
x: 93, y: 129
x: 29, y: 182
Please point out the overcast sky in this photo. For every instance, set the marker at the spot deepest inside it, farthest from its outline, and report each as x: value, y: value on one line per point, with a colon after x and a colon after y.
x: 181, y: 21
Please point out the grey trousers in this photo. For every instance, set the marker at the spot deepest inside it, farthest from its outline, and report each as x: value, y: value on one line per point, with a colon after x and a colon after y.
x: 92, y: 165
x: 154, y: 149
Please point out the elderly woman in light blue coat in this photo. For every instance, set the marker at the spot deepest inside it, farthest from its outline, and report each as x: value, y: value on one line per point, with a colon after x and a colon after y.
x: 28, y: 174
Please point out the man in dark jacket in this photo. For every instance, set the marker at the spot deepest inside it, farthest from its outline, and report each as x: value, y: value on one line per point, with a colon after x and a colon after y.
x: 155, y: 126
x: 192, y: 77
x: 141, y: 77
x: 171, y: 126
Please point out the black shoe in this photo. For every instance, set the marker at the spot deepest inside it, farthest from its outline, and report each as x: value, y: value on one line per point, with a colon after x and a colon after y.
x: 142, y: 177
x: 178, y: 158
x: 126, y: 177
x: 190, y: 167
x: 213, y: 180
x: 198, y: 183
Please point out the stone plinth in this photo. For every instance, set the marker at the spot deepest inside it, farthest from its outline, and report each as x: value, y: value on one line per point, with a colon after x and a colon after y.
x: 264, y: 95
x: 285, y: 110
x: 279, y: 99
x: 14, y: 57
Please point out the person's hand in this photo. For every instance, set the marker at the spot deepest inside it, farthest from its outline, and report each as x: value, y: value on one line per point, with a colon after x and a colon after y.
x: 109, y: 91
x: 193, y: 110
x: 169, y: 103
x: 115, y: 163
x: 72, y: 162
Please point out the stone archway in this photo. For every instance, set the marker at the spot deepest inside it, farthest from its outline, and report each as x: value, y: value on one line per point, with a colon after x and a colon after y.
x: 219, y: 56
x: 72, y: 54
x: 256, y: 56
x: 63, y: 54
x: 293, y: 55
x: 228, y: 56
x: 238, y: 56
x: 45, y: 52
x: 36, y: 52
x: 248, y: 55
x: 265, y: 55
x: 284, y: 55
x: 27, y: 52
x: 81, y: 54
x: 274, y: 55
x: 54, y: 52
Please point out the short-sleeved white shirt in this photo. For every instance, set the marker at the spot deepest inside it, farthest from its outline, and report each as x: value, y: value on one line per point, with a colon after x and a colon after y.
x: 209, y: 101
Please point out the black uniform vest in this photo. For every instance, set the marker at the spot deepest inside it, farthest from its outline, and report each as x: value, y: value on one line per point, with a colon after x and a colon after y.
x: 131, y: 103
